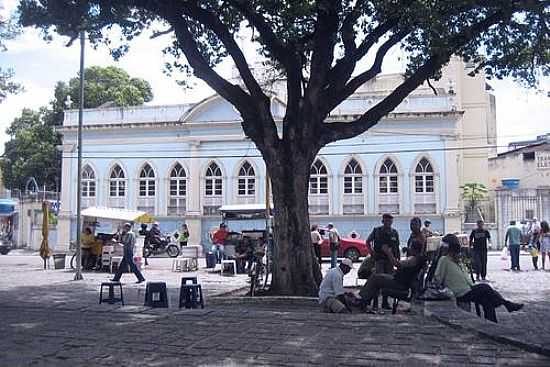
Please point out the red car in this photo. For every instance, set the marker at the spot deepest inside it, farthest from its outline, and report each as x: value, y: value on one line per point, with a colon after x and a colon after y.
x: 351, y: 248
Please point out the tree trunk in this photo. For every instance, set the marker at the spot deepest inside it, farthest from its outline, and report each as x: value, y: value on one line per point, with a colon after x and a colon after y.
x: 295, y: 268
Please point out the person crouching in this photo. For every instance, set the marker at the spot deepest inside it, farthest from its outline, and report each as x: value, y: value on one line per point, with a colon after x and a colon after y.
x: 332, y: 296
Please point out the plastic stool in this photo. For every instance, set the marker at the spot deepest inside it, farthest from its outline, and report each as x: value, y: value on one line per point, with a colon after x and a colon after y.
x: 190, y: 294
x: 112, y: 299
x: 233, y: 264
x: 179, y: 265
x: 155, y: 295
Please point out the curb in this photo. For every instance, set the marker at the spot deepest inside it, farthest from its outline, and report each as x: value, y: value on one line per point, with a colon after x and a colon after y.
x: 472, y: 323
x: 265, y: 300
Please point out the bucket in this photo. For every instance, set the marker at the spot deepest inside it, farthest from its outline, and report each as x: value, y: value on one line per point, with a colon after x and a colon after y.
x: 59, y: 261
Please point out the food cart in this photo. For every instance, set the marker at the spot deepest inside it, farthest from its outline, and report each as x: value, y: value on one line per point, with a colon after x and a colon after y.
x: 105, y: 222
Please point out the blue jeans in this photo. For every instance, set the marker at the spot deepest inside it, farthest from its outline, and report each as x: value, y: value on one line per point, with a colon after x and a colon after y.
x: 128, y: 261
x: 333, y: 258
x: 514, y: 256
x: 218, y: 251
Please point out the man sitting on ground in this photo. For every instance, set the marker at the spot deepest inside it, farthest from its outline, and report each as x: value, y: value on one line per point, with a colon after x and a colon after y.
x: 332, y: 296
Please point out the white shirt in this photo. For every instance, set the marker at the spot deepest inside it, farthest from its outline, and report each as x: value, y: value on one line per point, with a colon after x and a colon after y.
x: 332, y: 284
x: 334, y: 236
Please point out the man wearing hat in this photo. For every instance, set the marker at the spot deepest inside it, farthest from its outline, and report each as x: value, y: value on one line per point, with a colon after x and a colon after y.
x: 384, y: 241
x: 332, y: 296
x: 334, y: 243
x: 128, y: 240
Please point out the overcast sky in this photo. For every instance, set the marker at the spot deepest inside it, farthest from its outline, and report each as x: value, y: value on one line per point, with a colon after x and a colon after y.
x: 38, y: 65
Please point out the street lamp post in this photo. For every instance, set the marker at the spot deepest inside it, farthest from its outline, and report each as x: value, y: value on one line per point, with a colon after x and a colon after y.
x: 78, y: 274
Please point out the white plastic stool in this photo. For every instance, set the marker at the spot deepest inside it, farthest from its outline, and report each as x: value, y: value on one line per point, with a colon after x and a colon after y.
x: 233, y: 263
x: 179, y: 265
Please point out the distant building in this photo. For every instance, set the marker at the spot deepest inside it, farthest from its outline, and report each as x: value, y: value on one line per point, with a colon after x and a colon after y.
x: 521, y: 180
x: 182, y: 162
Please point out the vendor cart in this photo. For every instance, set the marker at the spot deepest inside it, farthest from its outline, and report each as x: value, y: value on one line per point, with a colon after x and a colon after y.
x: 105, y: 223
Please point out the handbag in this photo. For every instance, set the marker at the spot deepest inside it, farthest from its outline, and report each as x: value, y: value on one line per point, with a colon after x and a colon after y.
x: 504, y: 253
x: 436, y: 293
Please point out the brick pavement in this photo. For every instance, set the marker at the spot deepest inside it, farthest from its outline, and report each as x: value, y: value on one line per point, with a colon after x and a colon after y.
x: 49, y: 320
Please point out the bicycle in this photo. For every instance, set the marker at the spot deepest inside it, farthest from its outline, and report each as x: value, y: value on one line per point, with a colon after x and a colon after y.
x: 257, y: 273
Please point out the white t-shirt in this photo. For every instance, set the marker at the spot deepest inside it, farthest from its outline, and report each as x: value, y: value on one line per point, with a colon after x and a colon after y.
x: 332, y: 284
x: 333, y: 236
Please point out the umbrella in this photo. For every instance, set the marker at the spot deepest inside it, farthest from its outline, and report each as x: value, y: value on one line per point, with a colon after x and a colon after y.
x: 44, y: 248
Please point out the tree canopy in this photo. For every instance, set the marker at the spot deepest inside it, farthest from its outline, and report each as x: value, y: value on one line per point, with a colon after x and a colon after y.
x: 318, y: 46
x: 8, y: 30
x: 31, y: 150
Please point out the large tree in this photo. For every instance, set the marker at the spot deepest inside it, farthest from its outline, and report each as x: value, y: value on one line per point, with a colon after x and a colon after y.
x: 31, y: 150
x: 318, y: 46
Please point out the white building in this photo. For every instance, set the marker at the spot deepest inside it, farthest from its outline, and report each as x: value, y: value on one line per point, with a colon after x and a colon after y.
x: 181, y: 162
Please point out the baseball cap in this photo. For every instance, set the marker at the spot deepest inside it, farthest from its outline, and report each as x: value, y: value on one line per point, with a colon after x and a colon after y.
x: 387, y: 215
x: 347, y: 262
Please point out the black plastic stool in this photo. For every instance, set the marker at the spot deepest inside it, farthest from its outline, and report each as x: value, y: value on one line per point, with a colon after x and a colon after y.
x: 112, y: 299
x: 155, y: 295
x: 190, y: 294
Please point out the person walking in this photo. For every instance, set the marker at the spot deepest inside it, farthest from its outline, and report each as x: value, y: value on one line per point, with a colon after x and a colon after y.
x: 513, y: 240
x: 449, y: 273
x: 316, y: 240
x: 384, y: 241
x: 534, y: 246
x: 128, y: 240
x: 544, y: 239
x: 334, y: 242
x: 184, y: 235
x: 478, y: 243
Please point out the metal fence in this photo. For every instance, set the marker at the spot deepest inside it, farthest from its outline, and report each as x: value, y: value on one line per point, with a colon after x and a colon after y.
x: 484, y: 210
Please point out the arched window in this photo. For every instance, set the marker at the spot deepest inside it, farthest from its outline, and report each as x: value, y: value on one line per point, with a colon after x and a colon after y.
x: 117, y: 182
x: 424, y: 197
x: 353, y: 178
x: 424, y: 177
x: 246, y: 180
x: 213, y: 180
x: 318, y: 180
x: 213, y: 189
x: 388, y: 178
x: 88, y: 182
x: 178, y: 190
x: 318, y: 189
x: 353, y: 199
x: 147, y: 181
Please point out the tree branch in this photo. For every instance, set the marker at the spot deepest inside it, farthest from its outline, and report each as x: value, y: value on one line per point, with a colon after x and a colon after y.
x: 338, y: 96
x: 345, y: 130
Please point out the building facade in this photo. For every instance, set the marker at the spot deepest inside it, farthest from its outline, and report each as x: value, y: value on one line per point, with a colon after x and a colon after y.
x: 182, y: 162
x: 520, y: 178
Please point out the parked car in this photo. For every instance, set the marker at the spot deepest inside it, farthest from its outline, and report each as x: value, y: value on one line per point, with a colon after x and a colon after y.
x: 352, y: 248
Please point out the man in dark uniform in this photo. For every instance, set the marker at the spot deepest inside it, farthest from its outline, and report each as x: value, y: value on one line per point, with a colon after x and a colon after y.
x: 478, y: 240
x: 384, y: 240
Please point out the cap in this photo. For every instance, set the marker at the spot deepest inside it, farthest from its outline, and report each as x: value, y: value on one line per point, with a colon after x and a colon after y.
x: 427, y: 221
x: 387, y: 215
x: 330, y: 225
x: 127, y: 224
x: 347, y: 262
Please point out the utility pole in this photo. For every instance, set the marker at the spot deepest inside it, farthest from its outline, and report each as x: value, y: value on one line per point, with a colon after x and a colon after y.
x: 78, y: 274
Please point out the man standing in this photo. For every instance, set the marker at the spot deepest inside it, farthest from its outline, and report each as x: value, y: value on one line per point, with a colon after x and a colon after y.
x: 427, y: 230
x: 332, y: 296
x: 513, y: 239
x: 334, y: 242
x: 218, y: 240
x: 478, y: 243
x: 128, y: 240
x: 386, y: 249
x: 316, y: 240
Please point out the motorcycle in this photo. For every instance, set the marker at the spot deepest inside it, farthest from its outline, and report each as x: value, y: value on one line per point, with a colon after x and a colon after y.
x: 166, y: 244
x: 5, y: 247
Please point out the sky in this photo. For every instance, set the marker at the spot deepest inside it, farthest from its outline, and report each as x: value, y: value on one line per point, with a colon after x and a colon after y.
x: 521, y: 113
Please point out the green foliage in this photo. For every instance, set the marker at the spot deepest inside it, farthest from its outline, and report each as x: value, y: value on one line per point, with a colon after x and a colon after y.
x: 474, y: 192
x: 31, y: 151
x: 103, y: 85
x: 516, y: 46
x: 8, y: 30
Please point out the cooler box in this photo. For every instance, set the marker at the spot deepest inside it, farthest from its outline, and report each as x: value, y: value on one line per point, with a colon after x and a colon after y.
x: 210, y: 260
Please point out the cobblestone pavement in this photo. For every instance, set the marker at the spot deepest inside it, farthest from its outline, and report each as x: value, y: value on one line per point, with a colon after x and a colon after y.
x: 49, y: 320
